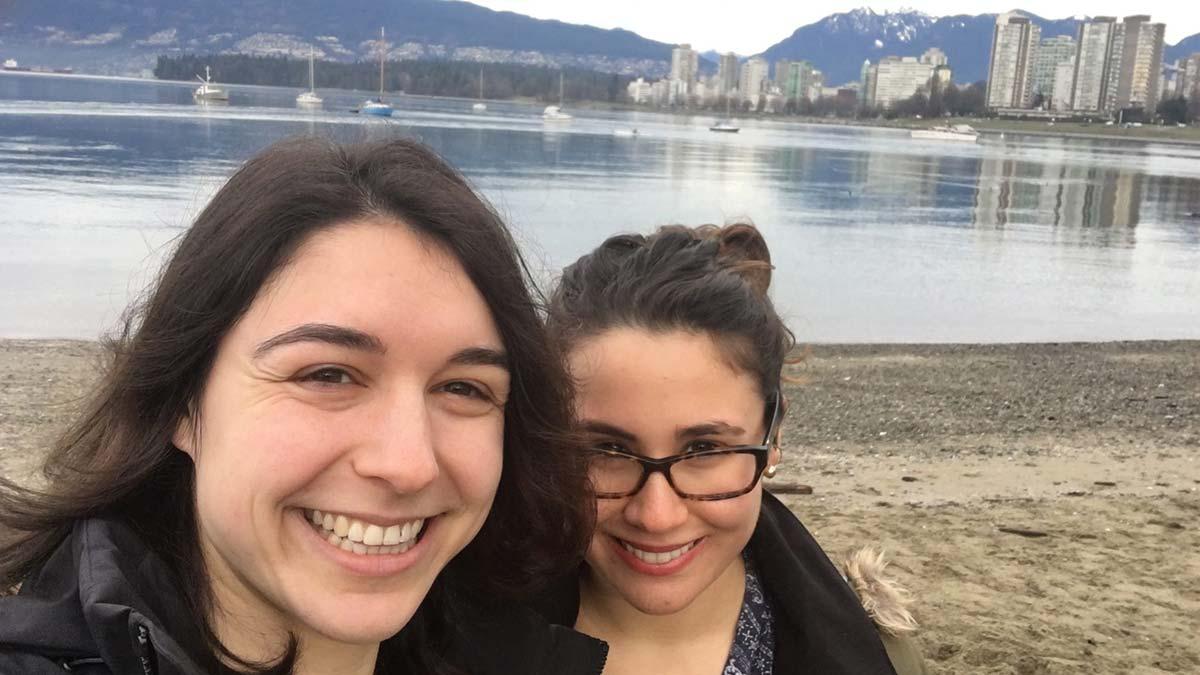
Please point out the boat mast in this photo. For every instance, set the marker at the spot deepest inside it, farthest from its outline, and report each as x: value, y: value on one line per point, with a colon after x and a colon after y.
x: 382, y: 50
x: 480, y: 83
x: 311, y: 80
x: 560, y: 88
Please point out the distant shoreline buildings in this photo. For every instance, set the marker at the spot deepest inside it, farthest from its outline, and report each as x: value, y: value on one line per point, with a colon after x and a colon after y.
x: 1109, y: 69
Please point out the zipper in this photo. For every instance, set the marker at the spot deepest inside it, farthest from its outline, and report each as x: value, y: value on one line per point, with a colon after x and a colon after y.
x: 145, y: 650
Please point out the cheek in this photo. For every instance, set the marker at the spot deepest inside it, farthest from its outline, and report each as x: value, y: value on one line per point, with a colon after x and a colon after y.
x: 736, y: 517
x: 474, y: 459
x: 609, y: 510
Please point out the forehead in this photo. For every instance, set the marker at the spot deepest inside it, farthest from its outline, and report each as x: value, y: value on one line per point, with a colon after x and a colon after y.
x: 381, y: 277
x: 673, y: 376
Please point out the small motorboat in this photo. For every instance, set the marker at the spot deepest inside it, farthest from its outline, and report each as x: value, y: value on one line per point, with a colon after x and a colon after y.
x: 958, y: 132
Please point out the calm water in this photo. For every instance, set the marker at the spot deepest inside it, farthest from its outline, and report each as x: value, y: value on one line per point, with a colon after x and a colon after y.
x: 876, y: 237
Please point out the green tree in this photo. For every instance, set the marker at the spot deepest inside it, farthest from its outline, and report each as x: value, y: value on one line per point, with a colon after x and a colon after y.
x: 1174, y: 110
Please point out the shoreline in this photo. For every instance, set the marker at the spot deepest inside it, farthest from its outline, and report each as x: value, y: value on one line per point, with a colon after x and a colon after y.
x: 1041, y: 501
x: 987, y: 126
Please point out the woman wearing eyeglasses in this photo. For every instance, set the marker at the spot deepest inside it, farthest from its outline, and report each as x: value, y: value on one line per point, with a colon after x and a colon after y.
x: 693, y: 567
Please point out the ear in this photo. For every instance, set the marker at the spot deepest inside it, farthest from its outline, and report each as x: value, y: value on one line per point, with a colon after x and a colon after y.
x: 184, y: 437
x: 775, y: 456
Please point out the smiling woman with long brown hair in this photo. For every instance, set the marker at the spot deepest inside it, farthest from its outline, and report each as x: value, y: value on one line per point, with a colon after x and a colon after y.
x: 314, y: 443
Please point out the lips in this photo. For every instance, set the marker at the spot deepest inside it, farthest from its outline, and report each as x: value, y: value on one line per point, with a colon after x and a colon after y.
x: 656, y: 560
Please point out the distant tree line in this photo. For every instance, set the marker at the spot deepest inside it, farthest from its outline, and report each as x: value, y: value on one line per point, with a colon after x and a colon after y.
x: 1180, y: 110
x: 430, y: 78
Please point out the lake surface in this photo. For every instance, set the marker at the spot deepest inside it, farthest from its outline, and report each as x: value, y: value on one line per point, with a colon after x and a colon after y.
x: 876, y: 237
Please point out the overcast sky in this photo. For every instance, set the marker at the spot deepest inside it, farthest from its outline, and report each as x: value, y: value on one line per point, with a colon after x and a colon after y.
x: 750, y: 26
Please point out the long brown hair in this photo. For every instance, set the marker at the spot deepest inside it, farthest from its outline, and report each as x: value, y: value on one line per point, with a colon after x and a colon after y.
x: 705, y: 279
x: 118, y: 460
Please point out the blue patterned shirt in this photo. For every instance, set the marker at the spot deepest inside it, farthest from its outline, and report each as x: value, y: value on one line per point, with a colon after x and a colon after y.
x: 753, y: 650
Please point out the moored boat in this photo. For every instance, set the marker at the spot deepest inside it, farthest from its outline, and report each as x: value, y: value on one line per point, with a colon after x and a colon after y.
x: 209, y: 90
x: 958, y: 132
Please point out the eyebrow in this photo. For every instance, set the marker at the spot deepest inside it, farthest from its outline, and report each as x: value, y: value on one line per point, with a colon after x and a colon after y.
x: 480, y: 356
x: 322, y: 332
x: 709, y: 429
x: 705, y: 429
x: 597, y: 427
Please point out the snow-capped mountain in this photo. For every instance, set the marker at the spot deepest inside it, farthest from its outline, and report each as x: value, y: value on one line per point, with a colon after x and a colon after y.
x: 839, y: 43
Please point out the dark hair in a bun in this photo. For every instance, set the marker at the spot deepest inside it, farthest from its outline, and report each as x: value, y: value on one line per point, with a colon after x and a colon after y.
x: 706, y: 279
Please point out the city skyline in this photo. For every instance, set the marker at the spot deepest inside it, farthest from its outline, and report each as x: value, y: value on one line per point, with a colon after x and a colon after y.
x: 678, y: 22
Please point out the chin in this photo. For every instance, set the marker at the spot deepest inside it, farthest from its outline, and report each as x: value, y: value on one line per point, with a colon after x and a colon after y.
x: 365, y: 625
x: 658, y: 601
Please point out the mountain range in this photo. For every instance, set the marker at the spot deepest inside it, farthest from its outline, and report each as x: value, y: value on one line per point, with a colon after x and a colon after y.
x: 123, y: 37
x: 839, y: 43
x: 120, y: 36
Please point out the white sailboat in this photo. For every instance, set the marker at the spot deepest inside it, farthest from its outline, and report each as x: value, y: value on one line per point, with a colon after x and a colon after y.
x: 726, y: 125
x: 208, y: 90
x: 310, y: 98
x: 377, y: 106
x: 554, y: 113
x: 480, y: 106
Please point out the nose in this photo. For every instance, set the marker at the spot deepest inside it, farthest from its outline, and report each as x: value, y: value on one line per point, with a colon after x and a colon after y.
x: 399, y: 446
x: 656, y: 507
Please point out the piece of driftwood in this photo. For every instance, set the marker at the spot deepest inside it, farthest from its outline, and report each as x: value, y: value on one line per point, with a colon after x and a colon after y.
x: 790, y: 489
x: 1032, y: 534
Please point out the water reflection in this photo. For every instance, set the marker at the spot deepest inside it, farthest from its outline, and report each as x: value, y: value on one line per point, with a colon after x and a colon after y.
x: 877, y: 237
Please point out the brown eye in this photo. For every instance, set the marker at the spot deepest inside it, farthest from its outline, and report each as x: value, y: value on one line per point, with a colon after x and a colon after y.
x: 327, y: 376
x: 464, y: 389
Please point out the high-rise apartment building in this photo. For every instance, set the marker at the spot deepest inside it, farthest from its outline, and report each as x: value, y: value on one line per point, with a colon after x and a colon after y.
x: 727, y: 73
x: 1189, y: 76
x: 752, y: 78
x: 898, y: 78
x: 1139, y: 74
x: 1118, y: 65
x: 1014, y: 46
x: 1052, y: 53
x: 685, y: 66
x: 1092, y: 60
x: 798, y: 81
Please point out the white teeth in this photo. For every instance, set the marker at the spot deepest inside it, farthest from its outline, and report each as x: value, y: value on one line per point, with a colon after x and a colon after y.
x: 658, y: 558
x: 362, y: 538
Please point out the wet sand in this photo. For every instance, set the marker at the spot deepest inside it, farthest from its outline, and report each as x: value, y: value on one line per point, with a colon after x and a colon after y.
x: 1041, y: 501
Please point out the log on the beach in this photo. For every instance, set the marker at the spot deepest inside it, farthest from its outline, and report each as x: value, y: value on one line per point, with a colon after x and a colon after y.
x: 1032, y: 534
x: 791, y: 489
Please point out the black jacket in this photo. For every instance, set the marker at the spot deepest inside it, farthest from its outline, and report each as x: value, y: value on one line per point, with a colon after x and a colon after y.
x: 820, y: 624
x: 103, y: 604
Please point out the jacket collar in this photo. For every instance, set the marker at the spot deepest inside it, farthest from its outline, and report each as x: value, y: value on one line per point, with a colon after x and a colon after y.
x: 826, y: 628
x: 103, y: 594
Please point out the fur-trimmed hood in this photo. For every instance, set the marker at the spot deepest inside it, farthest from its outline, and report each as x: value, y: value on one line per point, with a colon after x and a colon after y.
x: 886, y: 601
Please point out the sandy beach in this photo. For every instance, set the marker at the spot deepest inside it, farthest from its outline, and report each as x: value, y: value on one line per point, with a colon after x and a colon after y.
x: 1042, y: 502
